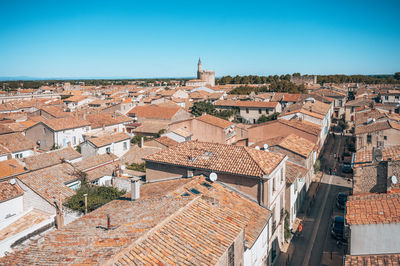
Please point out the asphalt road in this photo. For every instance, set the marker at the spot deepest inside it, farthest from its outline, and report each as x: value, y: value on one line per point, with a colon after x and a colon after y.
x: 316, y: 246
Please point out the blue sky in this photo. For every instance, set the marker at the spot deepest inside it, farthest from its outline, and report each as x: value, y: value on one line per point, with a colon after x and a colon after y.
x: 165, y: 38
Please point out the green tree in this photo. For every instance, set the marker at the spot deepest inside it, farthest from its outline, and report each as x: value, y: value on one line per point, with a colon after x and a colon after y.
x: 397, y: 76
x: 203, y: 107
x: 264, y: 118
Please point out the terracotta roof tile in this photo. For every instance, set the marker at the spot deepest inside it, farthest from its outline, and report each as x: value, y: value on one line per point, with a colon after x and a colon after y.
x: 294, y: 171
x: 58, y: 124
x: 219, y: 157
x: 215, y: 121
x: 108, y: 139
x: 95, y: 161
x: 16, y: 142
x: 50, y: 182
x: 164, y: 140
x: 297, y: 144
x: 154, y: 112
x: 373, y: 209
x: 11, y: 167
x: 8, y: 191
x: 372, y: 260
x: 50, y: 158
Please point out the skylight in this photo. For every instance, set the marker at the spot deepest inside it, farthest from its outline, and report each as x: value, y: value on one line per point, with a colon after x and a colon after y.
x: 194, y: 191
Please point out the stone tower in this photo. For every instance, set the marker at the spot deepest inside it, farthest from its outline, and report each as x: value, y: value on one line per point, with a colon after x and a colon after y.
x: 205, y: 75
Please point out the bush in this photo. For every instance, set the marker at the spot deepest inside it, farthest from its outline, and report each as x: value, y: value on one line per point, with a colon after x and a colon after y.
x: 317, y: 166
x: 141, y: 167
x: 264, y: 118
x: 288, y: 233
x: 96, y: 197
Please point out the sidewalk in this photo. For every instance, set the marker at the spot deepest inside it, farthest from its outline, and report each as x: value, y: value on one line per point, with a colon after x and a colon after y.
x: 288, y: 249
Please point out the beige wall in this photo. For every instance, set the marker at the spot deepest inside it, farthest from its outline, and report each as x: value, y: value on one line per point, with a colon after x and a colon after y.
x: 392, y: 138
x: 40, y: 132
x: 203, y: 131
x: 238, y: 251
x: 275, y: 129
x: 157, y: 171
x: 254, y: 114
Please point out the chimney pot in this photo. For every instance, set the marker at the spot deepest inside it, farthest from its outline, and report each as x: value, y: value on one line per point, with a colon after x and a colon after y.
x: 135, y: 188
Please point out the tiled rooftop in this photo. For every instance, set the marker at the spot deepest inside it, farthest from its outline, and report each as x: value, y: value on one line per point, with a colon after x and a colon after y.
x: 294, y: 171
x: 94, y: 161
x: 373, y: 209
x: 58, y: 124
x: 164, y: 140
x: 154, y: 112
x: 9, y: 191
x: 297, y: 144
x: 16, y: 142
x: 170, y: 232
x: 108, y: 139
x: 49, y: 182
x: 215, y: 121
x: 50, y: 158
x: 372, y: 260
x: 25, y: 222
x: 219, y: 157
x: 11, y: 167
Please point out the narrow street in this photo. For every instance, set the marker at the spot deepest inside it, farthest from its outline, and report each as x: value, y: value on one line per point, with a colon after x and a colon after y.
x: 316, y: 246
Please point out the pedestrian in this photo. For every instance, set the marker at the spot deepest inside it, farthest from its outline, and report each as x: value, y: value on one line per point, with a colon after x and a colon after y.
x: 300, y: 228
x: 330, y: 171
x: 334, y: 171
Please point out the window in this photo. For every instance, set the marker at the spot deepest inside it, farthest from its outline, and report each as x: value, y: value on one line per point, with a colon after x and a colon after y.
x: 386, y: 98
x: 396, y: 97
x: 125, y: 146
x: 44, y: 143
x: 231, y: 255
x: 369, y: 138
x: 247, y: 110
x: 108, y: 150
x: 281, y: 174
x: 273, y: 185
x: 259, y: 111
x: 74, y: 140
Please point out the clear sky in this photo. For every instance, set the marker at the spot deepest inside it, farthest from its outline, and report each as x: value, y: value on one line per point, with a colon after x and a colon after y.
x: 166, y: 38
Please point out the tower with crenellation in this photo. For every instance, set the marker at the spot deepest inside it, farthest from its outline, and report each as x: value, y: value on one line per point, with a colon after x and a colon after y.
x: 208, y: 76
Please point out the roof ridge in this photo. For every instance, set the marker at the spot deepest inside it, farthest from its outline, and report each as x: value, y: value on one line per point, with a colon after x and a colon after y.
x: 251, y: 156
x: 143, y: 237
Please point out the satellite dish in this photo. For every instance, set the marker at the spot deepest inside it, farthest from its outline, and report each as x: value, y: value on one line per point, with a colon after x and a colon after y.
x: 12, y: 182
x: 257, y: 148
x: 213, y: 177
x: 265, y: 147
x: 394, y: 179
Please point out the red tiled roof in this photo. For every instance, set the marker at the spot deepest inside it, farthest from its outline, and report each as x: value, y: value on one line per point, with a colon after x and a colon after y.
x: 215, y: 121
x: 9, y: 191
x: 58, y: 124
x: 219, y: 157
x: 373, y: 209
x: 297, y: 144
x: 372, y: 260
x: 108, y: 139
x: 154, y: 112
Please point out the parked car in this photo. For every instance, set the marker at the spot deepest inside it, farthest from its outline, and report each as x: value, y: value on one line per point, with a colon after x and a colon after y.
x: 337, y: 228
x: 347, y: 168
x: 341, y: 200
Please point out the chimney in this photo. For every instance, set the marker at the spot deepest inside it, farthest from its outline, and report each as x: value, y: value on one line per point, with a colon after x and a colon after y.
x: 59, y: 214
x: 108, y: 222
x: 141, y: 142
x: 135, y: 188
